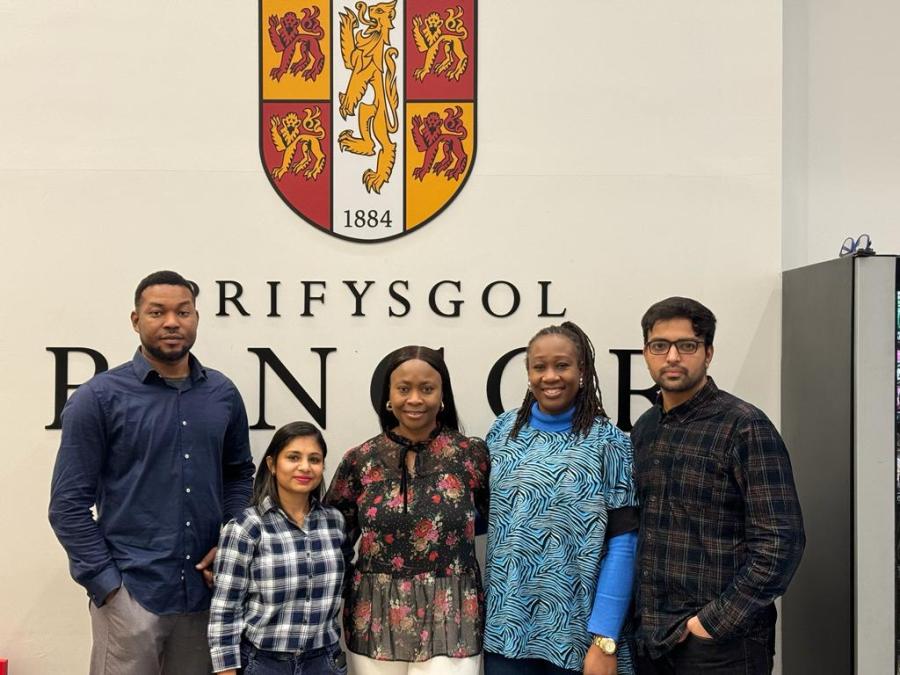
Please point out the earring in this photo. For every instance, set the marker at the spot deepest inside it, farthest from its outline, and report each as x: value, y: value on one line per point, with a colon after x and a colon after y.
x: 580, y: 382
x: 389, y: 407
x: 442, y: 405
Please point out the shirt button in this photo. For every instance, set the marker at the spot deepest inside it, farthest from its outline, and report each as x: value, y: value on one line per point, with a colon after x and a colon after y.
x: 189, y: 489
x: 187, y: 456
x: 652, y: 498
x: 188, y: 524
x: 184, y: 423
x: 187, y: 557
x: 646, y: 573
x: 656, y: 462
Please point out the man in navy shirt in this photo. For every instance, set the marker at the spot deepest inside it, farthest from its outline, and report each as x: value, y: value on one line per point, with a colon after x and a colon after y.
x: 159, y: 445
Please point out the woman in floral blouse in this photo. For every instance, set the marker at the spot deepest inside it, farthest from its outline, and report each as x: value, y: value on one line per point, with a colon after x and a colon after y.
x: 409, y: 495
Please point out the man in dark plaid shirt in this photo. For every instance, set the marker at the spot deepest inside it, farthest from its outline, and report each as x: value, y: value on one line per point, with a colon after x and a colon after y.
x: 721, y: 530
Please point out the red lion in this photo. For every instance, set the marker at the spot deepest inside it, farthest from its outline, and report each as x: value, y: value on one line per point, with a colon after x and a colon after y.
x: 434, y: 133
x: 289, y: 36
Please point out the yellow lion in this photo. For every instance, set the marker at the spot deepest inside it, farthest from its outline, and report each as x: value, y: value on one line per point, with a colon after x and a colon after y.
x: 289, y: 134
x: 434, y: 35
x: 372, y: 62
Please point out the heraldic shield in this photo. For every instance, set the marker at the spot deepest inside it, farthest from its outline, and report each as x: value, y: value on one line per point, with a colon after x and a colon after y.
x: 367, y: 110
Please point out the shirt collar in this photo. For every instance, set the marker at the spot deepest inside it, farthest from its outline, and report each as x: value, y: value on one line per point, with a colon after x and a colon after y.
x: 142, y: 367
x: 696, y: 402
x: 268, y: 504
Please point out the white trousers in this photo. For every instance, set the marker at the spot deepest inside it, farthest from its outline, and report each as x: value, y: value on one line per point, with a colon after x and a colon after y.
x: 438, y: 665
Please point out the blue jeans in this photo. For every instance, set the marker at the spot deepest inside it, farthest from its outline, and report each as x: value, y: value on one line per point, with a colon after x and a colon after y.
x: 321, y: 661
x: 497, y: 664
x: 696, y: 656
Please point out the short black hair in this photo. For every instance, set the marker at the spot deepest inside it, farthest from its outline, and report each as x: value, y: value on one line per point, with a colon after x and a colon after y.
x: 164, y: 278
x: 447, y: 416
x: 702, y: 319
x: 265, y: 485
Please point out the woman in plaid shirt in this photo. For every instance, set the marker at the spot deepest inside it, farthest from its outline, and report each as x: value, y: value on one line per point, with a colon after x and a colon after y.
x: 280, y: 568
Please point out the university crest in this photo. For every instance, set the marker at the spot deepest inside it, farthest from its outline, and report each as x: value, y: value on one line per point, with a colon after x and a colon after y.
x: 367, y: 110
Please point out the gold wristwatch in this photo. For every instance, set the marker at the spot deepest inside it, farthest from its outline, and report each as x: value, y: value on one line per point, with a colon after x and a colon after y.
x: 606, y: 644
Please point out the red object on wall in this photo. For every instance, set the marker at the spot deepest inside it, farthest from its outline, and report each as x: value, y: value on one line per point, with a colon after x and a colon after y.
x: 3, y: 664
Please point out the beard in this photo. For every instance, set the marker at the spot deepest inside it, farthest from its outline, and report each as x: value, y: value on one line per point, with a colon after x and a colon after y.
x: 685, y: 383
x: 167, y: 357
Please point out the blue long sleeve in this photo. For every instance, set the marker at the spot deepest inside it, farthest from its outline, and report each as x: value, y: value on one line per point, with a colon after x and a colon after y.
x: 76, y: 477
x: 614, y: 586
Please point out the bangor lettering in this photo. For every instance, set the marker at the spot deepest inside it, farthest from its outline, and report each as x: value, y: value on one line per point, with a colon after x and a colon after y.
x: 269, y: 361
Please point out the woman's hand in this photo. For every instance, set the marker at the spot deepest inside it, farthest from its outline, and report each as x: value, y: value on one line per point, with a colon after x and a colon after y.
x: 596, y: 662
x: 205, y: 567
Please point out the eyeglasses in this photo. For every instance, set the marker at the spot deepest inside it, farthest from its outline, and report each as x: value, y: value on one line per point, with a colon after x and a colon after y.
x: 861, y: 246
x: 662, y: 347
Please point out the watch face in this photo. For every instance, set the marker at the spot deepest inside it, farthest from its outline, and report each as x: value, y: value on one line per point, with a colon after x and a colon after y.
x: 607, y: 645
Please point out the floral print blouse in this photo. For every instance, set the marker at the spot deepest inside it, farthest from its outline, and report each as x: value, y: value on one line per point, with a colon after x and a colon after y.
x: 416, y: 590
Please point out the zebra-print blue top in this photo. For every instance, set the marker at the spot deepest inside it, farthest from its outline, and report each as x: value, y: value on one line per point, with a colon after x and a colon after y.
x: 550, y: 495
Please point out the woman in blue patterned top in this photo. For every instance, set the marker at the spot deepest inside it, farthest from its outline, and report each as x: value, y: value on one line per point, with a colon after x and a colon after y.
x: 562, y: 524
x: 280, y: 568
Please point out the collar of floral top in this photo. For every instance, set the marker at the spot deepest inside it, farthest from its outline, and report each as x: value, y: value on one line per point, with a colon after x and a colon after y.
x: 415, y: 447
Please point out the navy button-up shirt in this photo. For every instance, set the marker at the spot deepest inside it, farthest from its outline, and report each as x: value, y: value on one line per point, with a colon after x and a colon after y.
x: 165, y: 466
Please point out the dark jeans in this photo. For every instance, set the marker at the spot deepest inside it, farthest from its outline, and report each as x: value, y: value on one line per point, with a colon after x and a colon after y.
x: 495, y: 664
x: 322, y: 661
x: 696, y: 656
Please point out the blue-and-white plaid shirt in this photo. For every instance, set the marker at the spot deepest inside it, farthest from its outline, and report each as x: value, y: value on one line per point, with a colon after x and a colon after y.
x: 277, y: 585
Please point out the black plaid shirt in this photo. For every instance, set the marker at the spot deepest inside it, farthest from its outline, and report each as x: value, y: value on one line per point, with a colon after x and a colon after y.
x: 721, y: 530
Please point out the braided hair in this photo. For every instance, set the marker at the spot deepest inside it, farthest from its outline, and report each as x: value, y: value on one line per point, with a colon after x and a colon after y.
x: 588, y: 400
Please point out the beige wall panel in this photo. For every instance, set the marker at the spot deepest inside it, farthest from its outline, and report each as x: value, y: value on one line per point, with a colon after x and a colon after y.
x: 625, y: 152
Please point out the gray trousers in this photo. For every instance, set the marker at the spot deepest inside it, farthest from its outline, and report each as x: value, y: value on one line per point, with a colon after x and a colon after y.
x: 129, y: 640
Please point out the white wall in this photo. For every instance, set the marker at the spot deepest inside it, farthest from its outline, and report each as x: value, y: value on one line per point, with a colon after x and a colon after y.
x: 626, y: 151
x: 841, y: 132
